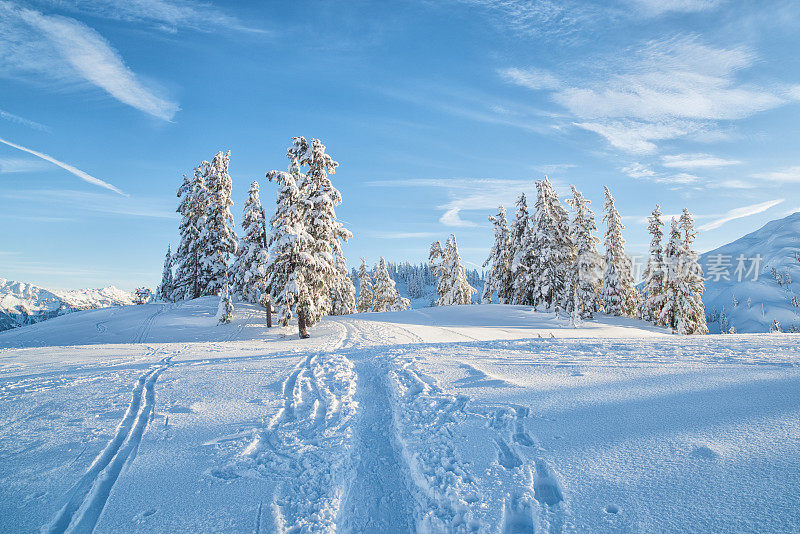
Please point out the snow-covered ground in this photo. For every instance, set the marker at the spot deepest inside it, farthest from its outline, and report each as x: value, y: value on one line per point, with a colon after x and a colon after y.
x: 476, y: 418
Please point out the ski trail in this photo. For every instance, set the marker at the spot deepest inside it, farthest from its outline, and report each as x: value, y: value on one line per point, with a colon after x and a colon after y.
x: 308, y: 443
x: 446, y: 493
x: 378, y: 499
x: 144, y: 329
x: 90, y: 494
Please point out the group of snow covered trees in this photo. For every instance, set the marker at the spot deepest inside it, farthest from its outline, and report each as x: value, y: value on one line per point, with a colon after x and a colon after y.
x: 293, y: 262
x: 547, y: 260
x: 377, y: 291
x: 452, y: 285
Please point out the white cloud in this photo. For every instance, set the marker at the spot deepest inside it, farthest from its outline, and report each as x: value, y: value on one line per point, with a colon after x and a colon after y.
x: 60, y: 49
x: 664, y: 89
x: 166, y: 15
x: 638, y: 171
x: 402, y: 235
x: 531, y: 78
x: 659, y: 7
x: 738, y: 213
x: 788, y: 174
x: 695, y: 161
x: 66, y: 166
x: 736, y: 184
x: 21, y: 165
x: 68, y: 199
x: 23, y: 121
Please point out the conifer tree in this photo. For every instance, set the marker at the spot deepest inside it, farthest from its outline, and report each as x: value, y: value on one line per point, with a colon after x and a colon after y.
x: 192, y: 194
x: 459, y: 291
x: 218, y: 236
x: 523, y: 256
x: 584, y: 281
x: 498, y: 282
x: 290, y: 271
x: 225, y: 306
x: 365, y: 290
x: 553, y: 246
x: 670, y: 309
x: 692, y: 318
x: 619, y: 294
x: 436, y: 258
x: 386, y: 296
x: 653, y: 293
x: 165, y: 289
x: 343, y: 292
x: 250, y: 275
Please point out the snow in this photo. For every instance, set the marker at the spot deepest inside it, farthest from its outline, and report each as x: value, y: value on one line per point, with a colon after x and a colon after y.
x: 777, y: 242
x: 487, y: 418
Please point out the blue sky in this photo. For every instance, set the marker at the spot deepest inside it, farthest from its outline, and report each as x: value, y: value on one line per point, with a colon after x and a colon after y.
x: 436, y: 111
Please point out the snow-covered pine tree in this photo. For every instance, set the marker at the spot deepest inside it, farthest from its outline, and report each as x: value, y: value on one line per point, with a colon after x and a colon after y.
x: 459, y: 292
x: 365, y: 291
x: 436, y: 260
x: 319, y: 199
x: 498, y: 284
x: 555, y: 252
x: 692, y: 319
x: 290, y: 270
x: 386, y: 296
x: 653, y: 293
x: 193, y: 198
x: 165, y: 288
x: 250, y: 275
x: 670, y: 309
x: 225, y: 306
x: 522, y: 256
x: 584, y: 280
x: 619, y: 295
x: 343, y: 293
x: 218, y: 236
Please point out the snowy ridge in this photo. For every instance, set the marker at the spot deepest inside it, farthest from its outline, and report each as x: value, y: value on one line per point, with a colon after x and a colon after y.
x: 22, y: 303
x: 778, y: 243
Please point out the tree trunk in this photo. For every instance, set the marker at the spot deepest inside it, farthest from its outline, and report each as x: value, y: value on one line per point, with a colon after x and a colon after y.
x: 269, y: 314
x: 301, y: 324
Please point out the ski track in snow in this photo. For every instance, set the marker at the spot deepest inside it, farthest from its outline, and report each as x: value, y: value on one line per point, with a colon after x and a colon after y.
x: 88, y: 497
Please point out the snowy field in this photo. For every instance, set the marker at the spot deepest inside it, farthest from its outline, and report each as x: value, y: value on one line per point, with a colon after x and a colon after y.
x: 477, y: 418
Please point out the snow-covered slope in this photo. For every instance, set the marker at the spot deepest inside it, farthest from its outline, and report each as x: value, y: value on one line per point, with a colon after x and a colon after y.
x: 22, y: 304
x: 753, y: 303
x: 483, y: 419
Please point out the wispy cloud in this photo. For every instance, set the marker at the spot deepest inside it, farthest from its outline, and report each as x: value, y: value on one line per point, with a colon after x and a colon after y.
x: 470, y: 194
x: 738, y: 213
x: 659, y: 7
x: 66, y: 166
x: 661, y: 90
x: 69, y: 199
x: 532, y: 78
x: 696, y: 161
x: 165, y: 15
x: 23, y: 121
x: 402, y: 235
x: 788, y: 174
x: 35, y: 46
x: 22, y: 165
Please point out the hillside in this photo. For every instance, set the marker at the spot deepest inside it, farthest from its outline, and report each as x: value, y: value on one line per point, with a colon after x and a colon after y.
x: 751, y: 305
x: 24, y: 304
x: 154, y: 418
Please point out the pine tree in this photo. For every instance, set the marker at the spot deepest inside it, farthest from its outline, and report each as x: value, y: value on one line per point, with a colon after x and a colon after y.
x: 218, y: 236
x: 498, y: 280
x: 193, y: 198
x: 225, y: 306
x: 670, y: 309
x: 459, y: 291
x: 436, y: 259
x: 584, y: 281
x: 619, y: 295
x: 365, y: 291
x: 523, y: 256
x: 692, y: 319
x: 165, y: 289
x: 250, y: 274
x: 654, y: 272
x: 291, y: 266
x: 386, y: 296
x: 319, y: 199
x: 554, y: 249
